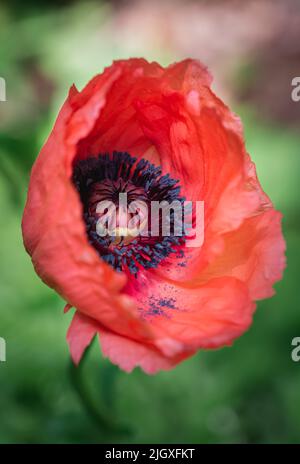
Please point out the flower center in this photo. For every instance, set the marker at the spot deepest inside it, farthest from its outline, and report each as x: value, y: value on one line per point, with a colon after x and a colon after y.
x: 133, y: 213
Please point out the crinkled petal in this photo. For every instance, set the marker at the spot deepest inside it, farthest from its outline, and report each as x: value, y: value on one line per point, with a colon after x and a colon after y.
x: 80, y: 334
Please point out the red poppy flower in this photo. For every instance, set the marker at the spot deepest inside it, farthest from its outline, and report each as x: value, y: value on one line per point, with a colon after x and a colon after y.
x: 161, y: 133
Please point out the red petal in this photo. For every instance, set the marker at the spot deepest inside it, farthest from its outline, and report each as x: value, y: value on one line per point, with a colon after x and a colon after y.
x: 80, y: 334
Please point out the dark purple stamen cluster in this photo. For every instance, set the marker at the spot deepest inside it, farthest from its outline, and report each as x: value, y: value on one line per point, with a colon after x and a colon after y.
x: 103, y: 178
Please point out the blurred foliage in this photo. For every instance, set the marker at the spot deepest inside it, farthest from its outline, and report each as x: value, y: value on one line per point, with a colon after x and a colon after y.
x: 247, y: 393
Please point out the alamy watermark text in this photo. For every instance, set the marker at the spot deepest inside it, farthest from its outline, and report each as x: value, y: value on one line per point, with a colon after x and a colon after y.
x: 2, y: 350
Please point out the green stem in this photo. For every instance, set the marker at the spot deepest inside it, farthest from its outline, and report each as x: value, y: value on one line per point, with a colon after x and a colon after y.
x: 106, y: 425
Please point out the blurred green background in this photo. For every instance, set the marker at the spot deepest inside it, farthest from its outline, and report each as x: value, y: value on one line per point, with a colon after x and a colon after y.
x: 249, y: 393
